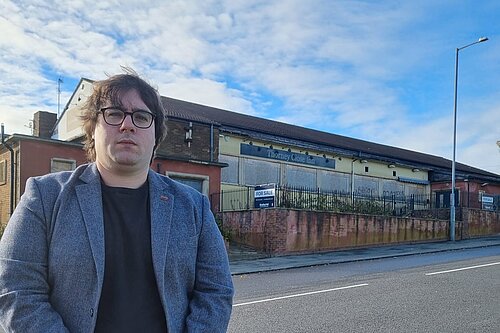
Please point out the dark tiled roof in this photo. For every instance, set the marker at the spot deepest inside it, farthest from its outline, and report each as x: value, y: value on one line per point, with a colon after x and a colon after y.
x: 233, y: 120
x: 173, y: 112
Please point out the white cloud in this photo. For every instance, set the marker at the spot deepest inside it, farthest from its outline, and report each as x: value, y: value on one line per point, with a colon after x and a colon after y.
x: 477, y: 133
x: 207, y: 92
x: 380, y: 71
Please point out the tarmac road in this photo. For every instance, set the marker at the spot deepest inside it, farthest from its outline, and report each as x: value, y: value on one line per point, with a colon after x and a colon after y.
x: 384, y: 295
x: 244, y: 265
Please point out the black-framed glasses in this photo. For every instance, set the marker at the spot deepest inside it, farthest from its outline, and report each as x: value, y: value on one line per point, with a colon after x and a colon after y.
x: 114, y: 116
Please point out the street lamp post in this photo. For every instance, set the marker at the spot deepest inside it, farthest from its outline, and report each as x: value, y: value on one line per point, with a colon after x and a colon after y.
x: 452, y: 197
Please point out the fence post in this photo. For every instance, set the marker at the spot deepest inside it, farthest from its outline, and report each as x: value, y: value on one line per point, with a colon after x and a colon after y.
x: 248, y: 197
x: 222, y: 201
x: 317, y: 201
x: 394, y: 204
x: 277, y: 196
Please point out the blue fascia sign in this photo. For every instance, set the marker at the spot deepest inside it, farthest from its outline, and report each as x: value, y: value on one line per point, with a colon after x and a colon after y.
x: 264, y: 196
x: 286, y: 156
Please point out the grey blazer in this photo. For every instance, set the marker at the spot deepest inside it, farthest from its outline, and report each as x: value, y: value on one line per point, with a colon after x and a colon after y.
x: 52, y: 256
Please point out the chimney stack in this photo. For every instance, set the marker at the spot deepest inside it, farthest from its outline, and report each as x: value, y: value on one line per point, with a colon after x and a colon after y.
x: 43, y: 124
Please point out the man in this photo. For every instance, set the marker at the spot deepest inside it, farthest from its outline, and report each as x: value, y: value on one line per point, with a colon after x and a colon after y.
x: 114, y: 246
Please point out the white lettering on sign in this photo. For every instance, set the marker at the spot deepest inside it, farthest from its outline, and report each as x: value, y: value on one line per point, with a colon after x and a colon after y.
x: 487, y: 199
x: 264, y: 193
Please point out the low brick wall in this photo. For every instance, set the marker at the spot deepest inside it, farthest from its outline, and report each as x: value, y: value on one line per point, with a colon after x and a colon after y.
x: 480, y: 222
x: 284, y: 231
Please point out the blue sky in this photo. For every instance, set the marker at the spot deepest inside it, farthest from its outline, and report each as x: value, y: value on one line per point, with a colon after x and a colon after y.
x: 381, y: 71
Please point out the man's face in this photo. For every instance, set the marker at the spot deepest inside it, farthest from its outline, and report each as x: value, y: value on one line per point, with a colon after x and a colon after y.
x: 125, y: 147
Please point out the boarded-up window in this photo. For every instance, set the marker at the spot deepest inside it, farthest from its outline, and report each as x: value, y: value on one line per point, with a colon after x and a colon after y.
x: 60, y: 164
x: 3, y: 172
x: 300, y: 177
x: 330, y: 181
x: 392, y: 189
x: 229, y: 174
x: 257, y: 172
x: 365, y: 186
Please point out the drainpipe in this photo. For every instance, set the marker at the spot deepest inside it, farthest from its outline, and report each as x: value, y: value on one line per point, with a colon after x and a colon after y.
x: 11, y: 172
x: 211, y: 142
x: 352, y: 179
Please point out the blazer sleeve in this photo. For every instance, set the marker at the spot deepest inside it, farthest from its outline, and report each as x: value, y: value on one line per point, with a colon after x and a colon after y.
x: 24, y: 286
x: 211, y: 302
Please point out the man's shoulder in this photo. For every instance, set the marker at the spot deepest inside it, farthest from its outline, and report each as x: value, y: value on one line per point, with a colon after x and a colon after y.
x: 175, y: 187
x: 61, y: 177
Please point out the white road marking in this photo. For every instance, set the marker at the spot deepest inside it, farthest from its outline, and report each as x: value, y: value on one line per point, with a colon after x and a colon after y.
x: 463, y: 269
x: 300, y: 295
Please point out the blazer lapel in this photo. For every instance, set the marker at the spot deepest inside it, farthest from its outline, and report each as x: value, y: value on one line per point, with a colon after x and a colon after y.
x: 90, y: 200
x: 161, y: 203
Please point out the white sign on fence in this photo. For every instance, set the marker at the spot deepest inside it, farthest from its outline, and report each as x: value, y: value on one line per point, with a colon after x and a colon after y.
x: 264, y: 196
x: 487, y: 201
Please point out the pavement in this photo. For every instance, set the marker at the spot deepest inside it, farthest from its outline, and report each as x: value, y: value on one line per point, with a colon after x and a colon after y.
x: 245, y: 260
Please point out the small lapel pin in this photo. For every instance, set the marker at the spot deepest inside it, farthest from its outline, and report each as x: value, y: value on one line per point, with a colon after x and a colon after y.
x: 163, y: 197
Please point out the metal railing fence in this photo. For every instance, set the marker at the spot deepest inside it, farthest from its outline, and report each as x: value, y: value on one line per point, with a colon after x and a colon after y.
x: 343, y: 202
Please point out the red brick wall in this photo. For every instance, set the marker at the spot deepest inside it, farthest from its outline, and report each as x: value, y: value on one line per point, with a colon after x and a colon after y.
x: 36, y: 156
x: 469, y: 192
x: 472, y: 186
x: 285, y: 231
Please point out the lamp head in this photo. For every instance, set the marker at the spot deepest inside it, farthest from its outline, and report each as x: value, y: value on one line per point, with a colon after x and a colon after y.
x: 482, y: 39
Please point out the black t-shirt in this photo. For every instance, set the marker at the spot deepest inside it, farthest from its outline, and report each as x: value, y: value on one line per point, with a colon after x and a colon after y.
x: 130, y: 301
